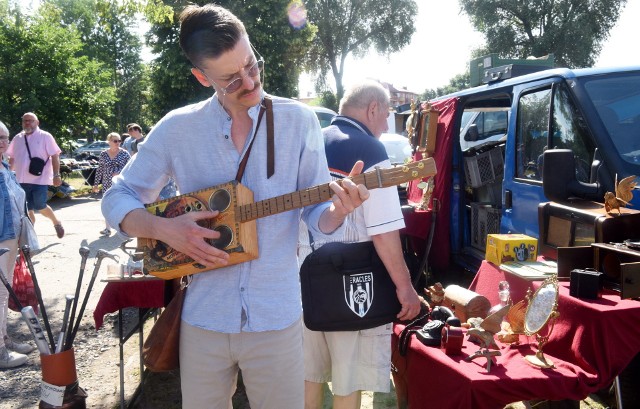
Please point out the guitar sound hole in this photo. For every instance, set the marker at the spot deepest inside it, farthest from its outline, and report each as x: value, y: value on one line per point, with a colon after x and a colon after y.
x: 226, y: 237
x: 220, y: 200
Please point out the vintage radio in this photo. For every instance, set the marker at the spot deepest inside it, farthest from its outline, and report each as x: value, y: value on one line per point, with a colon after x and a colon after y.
x: 238, y: 213
x: 580, y: 223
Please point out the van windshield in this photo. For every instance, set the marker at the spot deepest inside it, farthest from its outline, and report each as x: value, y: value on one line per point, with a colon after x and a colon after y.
x: 617, y: 101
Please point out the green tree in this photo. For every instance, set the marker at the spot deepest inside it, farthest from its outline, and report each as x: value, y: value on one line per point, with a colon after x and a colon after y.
x: 573, y: 30
x: 106, y: 30
x: 354, y: 27
x: 41, y: 70
x: 266, y: 21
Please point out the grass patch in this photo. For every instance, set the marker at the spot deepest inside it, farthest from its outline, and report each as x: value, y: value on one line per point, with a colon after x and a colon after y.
x: 78, y: 182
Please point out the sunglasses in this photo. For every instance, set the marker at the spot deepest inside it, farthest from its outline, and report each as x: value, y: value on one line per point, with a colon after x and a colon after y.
x: 236, y: 83
x: 116, y: 140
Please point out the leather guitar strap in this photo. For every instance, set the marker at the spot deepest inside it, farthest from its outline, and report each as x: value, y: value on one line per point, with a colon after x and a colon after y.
x: 266, y: 106
x: 270, y: 141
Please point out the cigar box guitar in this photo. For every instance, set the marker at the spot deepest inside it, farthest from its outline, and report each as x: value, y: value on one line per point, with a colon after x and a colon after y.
x: 236, y: 221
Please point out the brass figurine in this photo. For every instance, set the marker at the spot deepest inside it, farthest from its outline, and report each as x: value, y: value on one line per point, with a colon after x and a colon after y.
x: 623, y: 195
x: 482, y: 331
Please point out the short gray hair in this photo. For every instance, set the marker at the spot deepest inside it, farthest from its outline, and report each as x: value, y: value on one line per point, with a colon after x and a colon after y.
x: 363, y: 93
x: 3, y: 128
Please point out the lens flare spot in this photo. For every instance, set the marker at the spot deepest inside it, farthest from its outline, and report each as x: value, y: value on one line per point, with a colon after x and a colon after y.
x: 297, y: 14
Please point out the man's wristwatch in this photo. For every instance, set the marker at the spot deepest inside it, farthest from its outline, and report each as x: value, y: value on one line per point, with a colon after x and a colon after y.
x: 56, y: 175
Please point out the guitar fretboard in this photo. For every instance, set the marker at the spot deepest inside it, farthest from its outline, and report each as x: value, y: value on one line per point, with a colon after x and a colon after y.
x: 372, y: 180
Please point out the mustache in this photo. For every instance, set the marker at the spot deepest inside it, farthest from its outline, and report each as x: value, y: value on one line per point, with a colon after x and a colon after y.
x: 257, y: 84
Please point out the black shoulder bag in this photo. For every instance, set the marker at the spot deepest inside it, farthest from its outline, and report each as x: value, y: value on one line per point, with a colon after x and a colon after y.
x: 36, y: 165
x: 346, y: 287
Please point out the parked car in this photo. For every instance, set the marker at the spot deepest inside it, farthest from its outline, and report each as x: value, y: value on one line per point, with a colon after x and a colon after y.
x: 397, y: 146
x: 325, y: 115
x: 92, y: 149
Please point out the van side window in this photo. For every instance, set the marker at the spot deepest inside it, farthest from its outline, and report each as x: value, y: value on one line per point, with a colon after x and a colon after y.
x: 531, y: 133
x: 569, y: 131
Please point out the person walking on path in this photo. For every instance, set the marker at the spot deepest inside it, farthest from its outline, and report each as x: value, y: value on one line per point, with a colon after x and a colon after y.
x: 246, y: 315
x: 359, y: 360
x: 110, y: 164
x: 12, y: 204
x: 33, y: 142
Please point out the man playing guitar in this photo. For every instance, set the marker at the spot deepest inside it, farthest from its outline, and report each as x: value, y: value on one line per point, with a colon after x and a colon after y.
x: 246, y: 315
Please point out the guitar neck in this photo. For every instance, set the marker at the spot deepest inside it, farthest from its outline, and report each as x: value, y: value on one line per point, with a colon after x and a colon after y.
x: 374, y: 179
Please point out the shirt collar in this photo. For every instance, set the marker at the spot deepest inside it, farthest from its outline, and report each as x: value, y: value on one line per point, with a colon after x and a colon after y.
x: 253, y: 111
x: 345, y: 120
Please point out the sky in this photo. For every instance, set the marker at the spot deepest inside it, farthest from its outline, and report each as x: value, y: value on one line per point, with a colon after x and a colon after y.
x: 433, y: 57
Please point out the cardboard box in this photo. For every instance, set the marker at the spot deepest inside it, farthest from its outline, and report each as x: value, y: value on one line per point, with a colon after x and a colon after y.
x: 511, y: 247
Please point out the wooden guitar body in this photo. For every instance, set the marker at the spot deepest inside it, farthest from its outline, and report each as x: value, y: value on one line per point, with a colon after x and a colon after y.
x: 237, y: 239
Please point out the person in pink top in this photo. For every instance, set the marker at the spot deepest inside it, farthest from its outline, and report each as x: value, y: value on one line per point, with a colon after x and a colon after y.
x: 31, y: 143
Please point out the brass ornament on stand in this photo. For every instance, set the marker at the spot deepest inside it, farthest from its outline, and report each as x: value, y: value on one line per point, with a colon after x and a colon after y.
x: 542, y: 310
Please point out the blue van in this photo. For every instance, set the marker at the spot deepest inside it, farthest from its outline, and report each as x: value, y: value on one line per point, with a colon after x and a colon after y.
x: 504, y: 130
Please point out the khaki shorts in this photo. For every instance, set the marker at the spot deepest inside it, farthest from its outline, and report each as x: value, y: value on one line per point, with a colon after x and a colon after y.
x: 350, y: 360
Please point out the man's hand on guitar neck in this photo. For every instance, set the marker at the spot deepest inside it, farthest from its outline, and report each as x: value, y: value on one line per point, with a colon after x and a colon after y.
x: 347, y: 197
x: 182, y: 233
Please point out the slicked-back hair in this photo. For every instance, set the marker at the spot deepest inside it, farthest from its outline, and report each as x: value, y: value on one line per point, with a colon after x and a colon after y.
x: 362, y: 94
x: 208, y: 31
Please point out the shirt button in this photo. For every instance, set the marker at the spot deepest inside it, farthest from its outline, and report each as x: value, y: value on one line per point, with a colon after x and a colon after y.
x: 226, y: 137
x: 241, y: 289
x: 228, y: 118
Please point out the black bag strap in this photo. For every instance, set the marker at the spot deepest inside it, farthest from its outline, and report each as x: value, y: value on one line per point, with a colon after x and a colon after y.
x: 267, y: 106
x: 29, y: 150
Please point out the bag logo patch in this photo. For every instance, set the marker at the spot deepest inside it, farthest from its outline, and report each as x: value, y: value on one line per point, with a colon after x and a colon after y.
x: 358, y: 292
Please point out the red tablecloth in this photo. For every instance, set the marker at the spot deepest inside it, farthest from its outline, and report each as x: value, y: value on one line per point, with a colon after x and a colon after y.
x: 437, y: 380
x: 601, y: 336
x: 119, y: 295
x: 590, y: 344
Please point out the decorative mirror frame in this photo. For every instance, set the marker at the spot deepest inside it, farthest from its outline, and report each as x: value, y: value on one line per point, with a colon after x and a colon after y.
x: 544, y: 318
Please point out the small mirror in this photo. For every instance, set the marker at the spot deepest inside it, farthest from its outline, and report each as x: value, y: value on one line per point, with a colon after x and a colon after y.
x: 542, y: 309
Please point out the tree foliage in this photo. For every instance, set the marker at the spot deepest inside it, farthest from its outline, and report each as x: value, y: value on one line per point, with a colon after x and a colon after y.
x: 106, y: 31
x: 573, y: 30
x: 266, y: 21
x: 42, y: 70
x: 354, y: 27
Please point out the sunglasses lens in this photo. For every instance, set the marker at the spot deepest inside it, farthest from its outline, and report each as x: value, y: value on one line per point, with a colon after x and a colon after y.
x: 234, y: 86
x: 257, y: 67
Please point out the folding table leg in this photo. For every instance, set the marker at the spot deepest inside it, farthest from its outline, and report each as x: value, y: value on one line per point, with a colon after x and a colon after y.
x: 121, y: 342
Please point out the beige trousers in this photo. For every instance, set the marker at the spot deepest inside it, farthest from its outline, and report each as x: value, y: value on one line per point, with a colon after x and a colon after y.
x: 271, y: 363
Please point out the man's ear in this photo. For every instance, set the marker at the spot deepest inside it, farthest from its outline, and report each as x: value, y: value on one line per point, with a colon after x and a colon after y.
x: 200, y: 77
x: 372, y: 109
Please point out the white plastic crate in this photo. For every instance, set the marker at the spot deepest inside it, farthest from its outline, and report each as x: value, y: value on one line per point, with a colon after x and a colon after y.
x: 485, y: 219
x: 484, y: 168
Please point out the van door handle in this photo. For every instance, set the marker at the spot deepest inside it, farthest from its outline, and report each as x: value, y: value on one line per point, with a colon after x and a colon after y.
x: 508, y: 199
